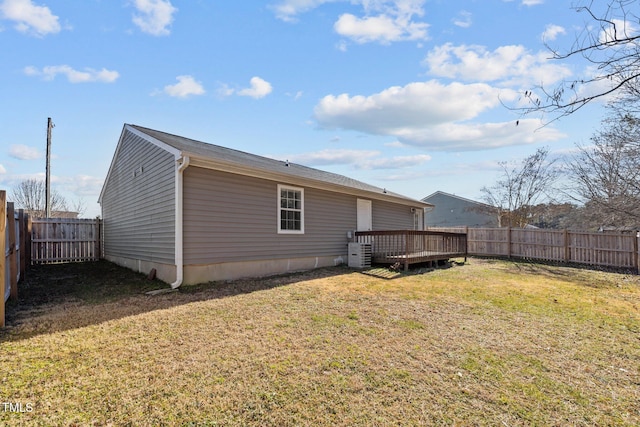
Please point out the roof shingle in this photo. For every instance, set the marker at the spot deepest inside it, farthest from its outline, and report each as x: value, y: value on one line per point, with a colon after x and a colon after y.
x: 239, y: 158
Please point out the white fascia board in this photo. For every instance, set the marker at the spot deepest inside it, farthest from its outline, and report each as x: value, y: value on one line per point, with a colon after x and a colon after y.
x: 166, y: 147
x: 127, y: 128
x: 113, y: 159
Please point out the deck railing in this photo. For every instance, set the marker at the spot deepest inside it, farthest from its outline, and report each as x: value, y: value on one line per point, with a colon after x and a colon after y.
x: 413, y: 246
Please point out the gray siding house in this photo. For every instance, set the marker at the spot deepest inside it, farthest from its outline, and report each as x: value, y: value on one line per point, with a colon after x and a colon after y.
x: 452, y: 211
x: 198, y: 212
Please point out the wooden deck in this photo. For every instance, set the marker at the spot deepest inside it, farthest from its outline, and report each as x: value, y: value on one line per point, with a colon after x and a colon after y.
x: 413, y: 246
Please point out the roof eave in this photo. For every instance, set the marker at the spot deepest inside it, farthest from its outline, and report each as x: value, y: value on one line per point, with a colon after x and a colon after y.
x: 216, y: 164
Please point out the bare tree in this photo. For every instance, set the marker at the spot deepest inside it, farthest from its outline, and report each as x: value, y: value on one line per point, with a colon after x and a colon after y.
x: 605, y: 175
x: 521, y: 187
x: 30, y: 195
x: 610, y: 45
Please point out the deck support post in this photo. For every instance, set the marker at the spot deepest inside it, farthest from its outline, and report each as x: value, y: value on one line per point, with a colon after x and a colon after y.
x: 406, y: 252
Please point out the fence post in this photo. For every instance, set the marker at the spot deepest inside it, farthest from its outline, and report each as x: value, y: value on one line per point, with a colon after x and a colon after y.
x: 22, y: 221
x: 98, y: 243
x: 29, y: 229
x: 636, y: 257
x: 466, y: 242
x: 509, y: 242
x: 567, y: 254
x: 406, y: 251
x: 13, y: 255
x: 3, y: 257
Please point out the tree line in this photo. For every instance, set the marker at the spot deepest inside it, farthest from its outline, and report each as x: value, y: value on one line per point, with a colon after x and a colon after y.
x: 595, y: 188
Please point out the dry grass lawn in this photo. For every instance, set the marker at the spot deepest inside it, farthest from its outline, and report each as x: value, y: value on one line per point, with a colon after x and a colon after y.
x: 487, y: 343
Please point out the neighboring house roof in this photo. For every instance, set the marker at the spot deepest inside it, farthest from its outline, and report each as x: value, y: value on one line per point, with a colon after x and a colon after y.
x: 442, y: 193
x: 453, y: 211
x: 226, y: 159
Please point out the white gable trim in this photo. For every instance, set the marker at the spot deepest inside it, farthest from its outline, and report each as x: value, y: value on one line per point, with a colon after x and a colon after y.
x: 127, y: 128
x: 166, y: 147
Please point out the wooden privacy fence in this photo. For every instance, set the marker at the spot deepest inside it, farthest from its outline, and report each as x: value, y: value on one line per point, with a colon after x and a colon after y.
x: 55, y: 240
x: 13, y: 242
x: 25, y: 241
x: 598, y: 249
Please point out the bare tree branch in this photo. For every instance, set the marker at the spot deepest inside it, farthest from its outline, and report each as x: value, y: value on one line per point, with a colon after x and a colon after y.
x: 611, y: 42
x: 605, y: 175
x: 521, y: 187
x: 30, y: 195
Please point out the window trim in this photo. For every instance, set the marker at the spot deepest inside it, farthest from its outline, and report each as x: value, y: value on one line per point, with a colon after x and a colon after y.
x: 278, y: 209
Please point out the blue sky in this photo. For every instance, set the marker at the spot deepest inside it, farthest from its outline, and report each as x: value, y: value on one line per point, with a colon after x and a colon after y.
x: 403, y: 94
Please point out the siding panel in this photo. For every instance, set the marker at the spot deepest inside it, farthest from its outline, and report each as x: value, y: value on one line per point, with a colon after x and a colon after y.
x: 138, y: 203
x: 230, y: 218
x: 390, y: 216
x: 453, y: 211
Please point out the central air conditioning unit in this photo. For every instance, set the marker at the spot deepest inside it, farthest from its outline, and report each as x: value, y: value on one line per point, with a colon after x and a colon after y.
x: 360, y: 255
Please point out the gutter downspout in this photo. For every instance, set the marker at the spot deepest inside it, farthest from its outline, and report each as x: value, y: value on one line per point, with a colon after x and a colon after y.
x: 179, y: 255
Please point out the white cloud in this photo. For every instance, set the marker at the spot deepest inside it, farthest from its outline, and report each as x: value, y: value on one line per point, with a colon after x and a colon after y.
x: 186, y: 87
x: 83, y: 185
x: 433, y: 115
x: 551, y: 32
x: 510, y: 65
x: 30, y: 18
x: 596, y: 86
x: 618, y: 30
x: 359, y: 159
x: 382, y: 21
x: 288, y: 10
x: 341, y: 46
x: 332, y: 157
x: 391, y: 110
x: 24, y: 152
x: 454, y: 136
x: 73, y: 76
x: 155, y: 16
x: 382, y: 28
x: 2, y: 169
x: 532, y: 2
x: 224, y: 90
x: 463, y: 20
x: 259, y: 88
x: 398, y: 162
x: 296, y: 96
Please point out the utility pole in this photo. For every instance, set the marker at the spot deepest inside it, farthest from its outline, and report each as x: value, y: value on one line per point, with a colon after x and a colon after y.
x: 48, y: 179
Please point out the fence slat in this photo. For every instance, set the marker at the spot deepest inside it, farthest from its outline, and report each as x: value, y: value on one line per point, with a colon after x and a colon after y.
x: 56, y: 240
x: 593, y: 248
x: 3, y: 258
x: 13, y: 260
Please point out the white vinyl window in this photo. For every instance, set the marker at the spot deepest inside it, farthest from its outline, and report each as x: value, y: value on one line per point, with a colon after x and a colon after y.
x: 290, y: 209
